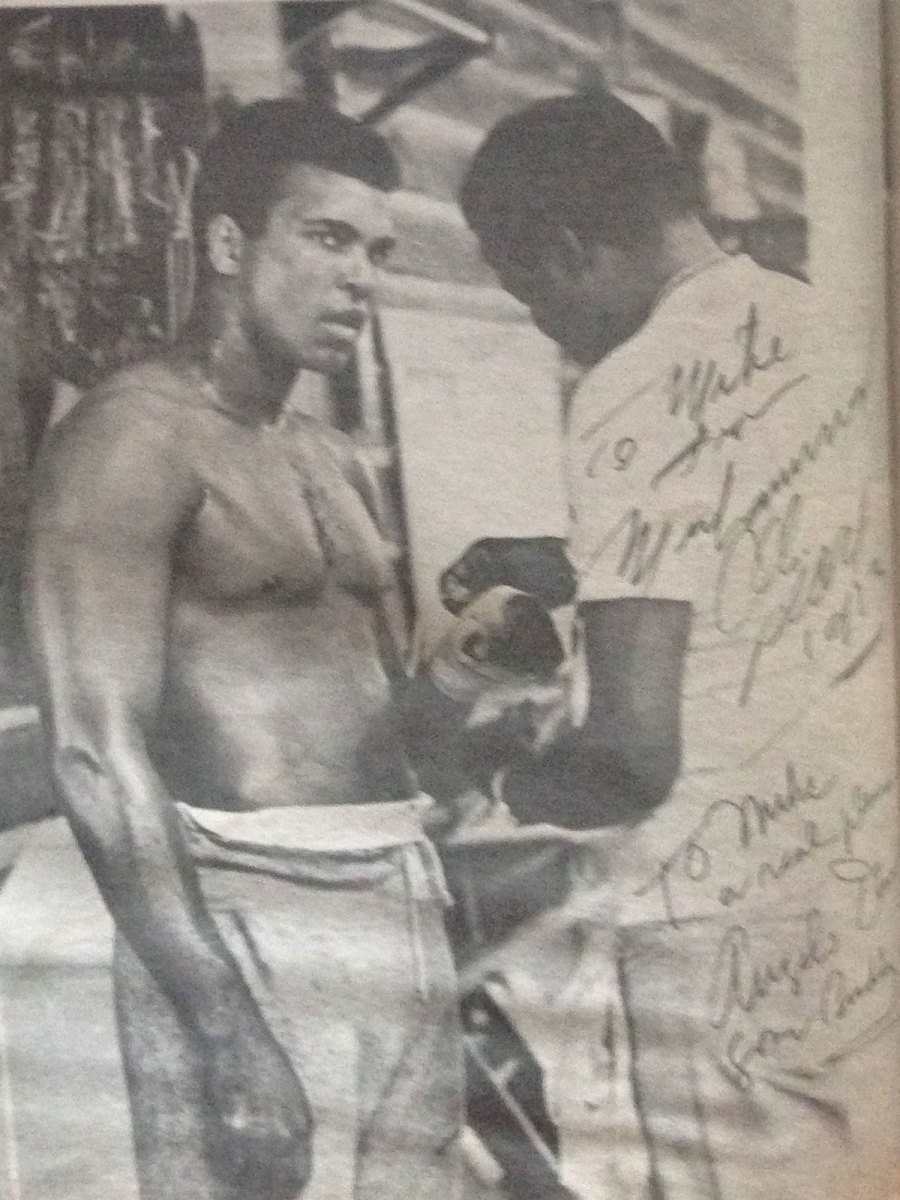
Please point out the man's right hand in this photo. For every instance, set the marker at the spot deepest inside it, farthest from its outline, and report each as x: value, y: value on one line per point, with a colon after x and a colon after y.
x: 259, y: 1124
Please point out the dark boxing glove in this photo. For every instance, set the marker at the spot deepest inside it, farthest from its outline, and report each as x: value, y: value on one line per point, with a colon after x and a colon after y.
x: 537, y: 566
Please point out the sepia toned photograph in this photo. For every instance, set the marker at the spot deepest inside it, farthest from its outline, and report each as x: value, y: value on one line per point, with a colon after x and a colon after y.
x: 447, y: 702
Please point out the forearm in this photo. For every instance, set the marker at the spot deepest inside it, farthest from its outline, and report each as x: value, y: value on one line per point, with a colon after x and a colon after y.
x: 581, y: 784
x: 256, y: 1114
x: 621, y: 761
x: 129, y: 832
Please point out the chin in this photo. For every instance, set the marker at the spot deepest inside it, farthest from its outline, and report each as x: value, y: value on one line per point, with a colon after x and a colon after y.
x: 332, y: 357
x: 332, y: 362
x: 325, y: 360
x: 562, y: 332
x: 595, y: 344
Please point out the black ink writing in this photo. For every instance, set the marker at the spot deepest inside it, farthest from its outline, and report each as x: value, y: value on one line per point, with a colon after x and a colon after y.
x: 693, y: 388
x: 748, y: 820
x: 741, y: 985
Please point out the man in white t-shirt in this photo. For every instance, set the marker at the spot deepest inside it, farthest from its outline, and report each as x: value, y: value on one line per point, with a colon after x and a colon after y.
x: 731, y: 959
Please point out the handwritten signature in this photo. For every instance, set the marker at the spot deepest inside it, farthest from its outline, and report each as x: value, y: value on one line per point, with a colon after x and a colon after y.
x: 693, y: 390
x: 644, y: 540
x: 715, y: 853
x: 685, y: 459
x: 771, y: 580
x: 869, y: 883
x: 776, y: 568
x: 772, y: 577
x: 742, y: 985
x: 838, y: 1006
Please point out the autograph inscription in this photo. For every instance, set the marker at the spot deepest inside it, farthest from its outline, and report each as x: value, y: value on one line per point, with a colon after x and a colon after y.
x: 775, y: 567
x: 734, y: 850
x: 691, y: 389
x: 694, y: 388
x: 741, y: 984
x: 771, y: 580
x: 824, y: 1005
x: 721, y: 467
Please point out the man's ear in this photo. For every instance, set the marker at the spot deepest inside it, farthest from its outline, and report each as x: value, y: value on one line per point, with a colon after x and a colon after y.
x: 565, y: 256
x: 224, y: 245
x: 571, y: 251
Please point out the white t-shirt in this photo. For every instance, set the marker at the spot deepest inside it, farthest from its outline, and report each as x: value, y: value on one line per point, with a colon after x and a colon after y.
x: 718, y: 458
x: 722, y: 458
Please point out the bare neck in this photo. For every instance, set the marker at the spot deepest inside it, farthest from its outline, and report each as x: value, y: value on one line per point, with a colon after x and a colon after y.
x: 248, y: 382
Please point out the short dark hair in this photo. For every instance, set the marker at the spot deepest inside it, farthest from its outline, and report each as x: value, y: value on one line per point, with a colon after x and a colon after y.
x: 590, y: 162
x: 243, y: 164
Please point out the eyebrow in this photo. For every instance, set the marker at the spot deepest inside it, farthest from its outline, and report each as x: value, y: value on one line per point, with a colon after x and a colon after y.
x: 342, y: 229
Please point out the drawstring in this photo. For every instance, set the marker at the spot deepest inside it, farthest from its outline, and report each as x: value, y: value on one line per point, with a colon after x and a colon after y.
x: 414, y: 921
x: 277, y: 842
x: 435, y: 870
x: 422, y: 873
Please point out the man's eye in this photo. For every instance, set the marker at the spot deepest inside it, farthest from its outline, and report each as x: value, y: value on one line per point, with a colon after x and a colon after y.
x: 329, y: 239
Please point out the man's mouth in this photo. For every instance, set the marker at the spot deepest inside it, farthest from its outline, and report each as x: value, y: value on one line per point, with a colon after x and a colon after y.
x: 352, y: 319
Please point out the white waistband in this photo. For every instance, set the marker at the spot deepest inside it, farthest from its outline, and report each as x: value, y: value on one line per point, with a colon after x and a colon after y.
x: 324, y: 828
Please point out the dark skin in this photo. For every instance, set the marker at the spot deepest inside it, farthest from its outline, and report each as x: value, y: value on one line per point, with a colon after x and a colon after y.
x: 177, y: 573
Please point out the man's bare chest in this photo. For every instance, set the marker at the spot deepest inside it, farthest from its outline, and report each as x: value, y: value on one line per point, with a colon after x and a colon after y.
x: 274, y: 518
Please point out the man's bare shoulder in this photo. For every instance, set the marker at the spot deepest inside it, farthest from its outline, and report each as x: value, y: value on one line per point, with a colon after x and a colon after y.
x: 128, y: 439
x: 150, y: 395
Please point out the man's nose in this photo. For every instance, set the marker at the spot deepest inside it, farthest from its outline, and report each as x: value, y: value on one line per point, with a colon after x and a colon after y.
x: 361, y: 274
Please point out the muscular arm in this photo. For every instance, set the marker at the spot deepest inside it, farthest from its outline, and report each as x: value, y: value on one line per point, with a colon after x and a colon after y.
x: 111, y: 494
x: 622, y: 762
x: 109, y: 497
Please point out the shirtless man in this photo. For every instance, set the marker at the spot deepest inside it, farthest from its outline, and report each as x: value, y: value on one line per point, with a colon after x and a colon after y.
x: 205, y: 596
